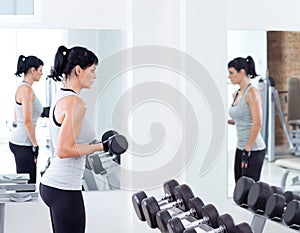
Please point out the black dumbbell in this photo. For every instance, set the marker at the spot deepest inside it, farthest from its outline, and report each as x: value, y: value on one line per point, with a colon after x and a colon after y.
x: 116, y: 145
x: 113, y: 143
x: 243, y: 228
x: 291, y: 215
x: 210, y: 217
x: 150, y: 206
x: 241, y: 190
x: 194, y: 205
x: 93, y: 161
x: 108, y: 134
x: 277, y: 202
x: 225, y: 222
x: 168, y: 196
x: 289, y: 196
x: 259, y: 194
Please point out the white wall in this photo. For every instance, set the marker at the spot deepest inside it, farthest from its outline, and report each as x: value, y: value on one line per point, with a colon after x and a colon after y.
x: 159, y: 22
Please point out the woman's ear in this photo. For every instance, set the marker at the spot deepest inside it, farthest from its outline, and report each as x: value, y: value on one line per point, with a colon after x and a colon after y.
x: 242, y: 72
x: 77, y: 70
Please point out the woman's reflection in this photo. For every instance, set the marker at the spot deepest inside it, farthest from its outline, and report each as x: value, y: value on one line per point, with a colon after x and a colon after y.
x: 28, y: 108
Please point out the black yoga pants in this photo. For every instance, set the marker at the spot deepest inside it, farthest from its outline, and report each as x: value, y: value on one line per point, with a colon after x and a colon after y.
x: 255, y: 164
x: 24, y: 160
x: 67, y: 209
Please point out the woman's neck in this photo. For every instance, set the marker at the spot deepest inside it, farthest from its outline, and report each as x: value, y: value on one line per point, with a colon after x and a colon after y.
x: 28, y: 80
x: 244, y: 85
x: 72, y: 85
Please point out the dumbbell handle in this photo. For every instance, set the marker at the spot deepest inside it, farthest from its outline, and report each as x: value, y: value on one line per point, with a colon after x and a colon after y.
x: 100, y: 154
x: 220, y: 229
x: 185, y: 214
x: 163, y: 198
x: 172, y: 204
x: 195, y: 224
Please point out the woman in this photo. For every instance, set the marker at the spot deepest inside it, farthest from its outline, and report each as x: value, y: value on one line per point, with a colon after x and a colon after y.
x: 72, y: 134
x: 246, y: 114
x: 28, y: 108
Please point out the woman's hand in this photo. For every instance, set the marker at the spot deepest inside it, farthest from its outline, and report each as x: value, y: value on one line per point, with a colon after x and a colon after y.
x: 231, y: 122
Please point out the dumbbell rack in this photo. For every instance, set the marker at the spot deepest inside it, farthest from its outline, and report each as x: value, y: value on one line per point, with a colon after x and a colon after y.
x: 9, y: 185
x: 258, y: 221
x: 102, y: 172
x: 255, y: 198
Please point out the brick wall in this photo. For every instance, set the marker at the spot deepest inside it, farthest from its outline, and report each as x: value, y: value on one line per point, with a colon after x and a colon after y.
x: 283, y: 57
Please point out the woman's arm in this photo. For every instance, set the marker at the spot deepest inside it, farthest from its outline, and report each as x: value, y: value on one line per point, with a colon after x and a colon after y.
x: 70, y: 112
x: 254, y: 102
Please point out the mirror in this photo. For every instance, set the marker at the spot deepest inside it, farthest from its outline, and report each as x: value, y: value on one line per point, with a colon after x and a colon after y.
x: 276, y: 55
x: 43, y: 43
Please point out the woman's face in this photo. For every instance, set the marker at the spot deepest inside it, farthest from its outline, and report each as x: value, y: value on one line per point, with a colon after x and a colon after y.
x: 89, y: 76
x: 235, y: 76
x: 38, y: 73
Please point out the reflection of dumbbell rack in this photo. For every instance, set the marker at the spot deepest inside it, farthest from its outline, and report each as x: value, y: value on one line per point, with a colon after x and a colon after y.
x: 10, y: 187
x: 102, y: 172
x: 267, y: 203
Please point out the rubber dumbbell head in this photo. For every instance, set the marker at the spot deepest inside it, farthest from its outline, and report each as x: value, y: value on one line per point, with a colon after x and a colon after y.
x: 226, y: 224
x: 289, y: 196
x: 291, y: 215
x: 150, y: 206
x: 117, y: 144
x: 241, y: 190
x: 275, y: 206
x: 258, y: 196
x: 108, y: 134
x: 195, y: 207
x: 243, y: 228
x: 137, y: 204
x: 209, y: 217
x: 169, y: 195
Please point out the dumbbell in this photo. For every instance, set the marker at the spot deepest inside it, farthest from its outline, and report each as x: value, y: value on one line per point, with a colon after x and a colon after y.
x: 93, y: 161
x: 291, y: 215
x: 150, y: 206
x: 289, y: 196
x: 225, y: 222
x: 168, y: 196
x: 210, y: 217
x: 259, y: 194
x: 277, y: 202
x: 253, y: 195
x: 194, y: 205
x: 243, y: 228
x: 114, y: 145
x: 241, y: 190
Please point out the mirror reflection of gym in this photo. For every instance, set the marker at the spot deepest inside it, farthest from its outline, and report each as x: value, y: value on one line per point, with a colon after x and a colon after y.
x: 276, y: 55
x: 44, y: 43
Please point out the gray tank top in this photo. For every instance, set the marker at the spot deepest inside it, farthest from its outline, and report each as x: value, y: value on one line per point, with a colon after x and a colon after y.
x: 66, y: 173
x: 20, y: 136
x: 240, y: 113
